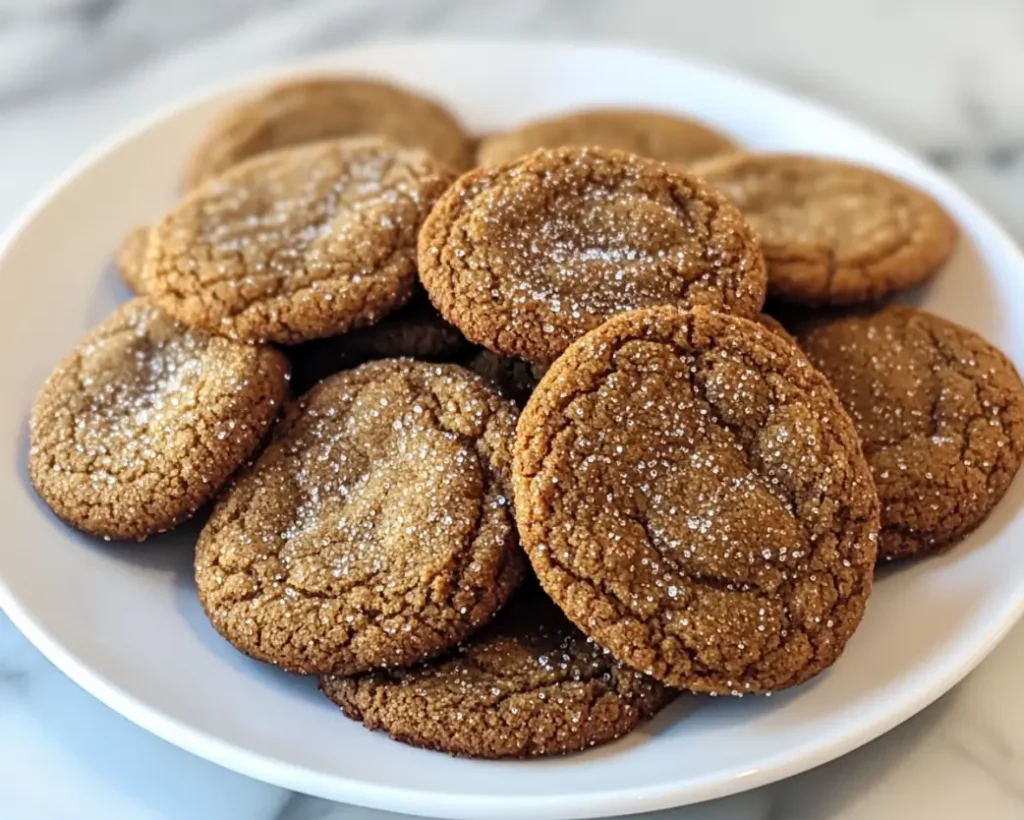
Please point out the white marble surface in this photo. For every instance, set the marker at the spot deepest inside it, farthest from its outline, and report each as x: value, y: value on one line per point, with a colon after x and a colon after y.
x: 942, y: 76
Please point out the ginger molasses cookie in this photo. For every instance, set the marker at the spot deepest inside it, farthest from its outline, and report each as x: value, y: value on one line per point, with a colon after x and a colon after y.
x: 835, y: 233
x: 416, y: 331
x: 693, y: 496
x: 524, y: 258
x: 375, y: 530
x: 144, y: 422
x: 131, y: 256
x: 529, y: 684
x: 661, y: 136
x: 940, y: 413
x: 296, y: 244
x: 329, y: 108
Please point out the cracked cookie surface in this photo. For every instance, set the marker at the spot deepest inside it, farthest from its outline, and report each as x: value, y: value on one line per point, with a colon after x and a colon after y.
x: 693, y: 496
x: 376, y: 529
x: 653, y: 134
x: 296, y: 244
x: 940, y: 413
x: 832, y: 232
x: 529, y: 684
x: 329, y: 108
x: 524, y: 258
x: 145, y: 421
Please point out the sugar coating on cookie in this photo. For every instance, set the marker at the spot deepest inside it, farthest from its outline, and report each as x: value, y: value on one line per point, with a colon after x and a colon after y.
x: 145, y: 421
x: 320, y: 108
x: 375, y: 530
x: 693, y: 496
x: 529, y: 684
x: 832, y: 232
x: 775, y: 326
x: 416, y: 331
x: 524, y: 258
x: 658, y: 135
x: 131, y: 256
x: 940, y: 412
x: 296, y: 244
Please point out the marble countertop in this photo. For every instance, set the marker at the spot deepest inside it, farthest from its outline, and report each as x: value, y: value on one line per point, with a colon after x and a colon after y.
x: 940, y: 76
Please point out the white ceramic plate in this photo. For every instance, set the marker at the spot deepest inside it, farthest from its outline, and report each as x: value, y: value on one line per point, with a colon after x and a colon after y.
x: 123, y: 621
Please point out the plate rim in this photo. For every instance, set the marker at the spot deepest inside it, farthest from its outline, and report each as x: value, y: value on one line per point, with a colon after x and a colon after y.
x: 923, y: 689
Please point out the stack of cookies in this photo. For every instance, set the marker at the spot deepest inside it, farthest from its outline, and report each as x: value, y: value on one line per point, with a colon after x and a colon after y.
x: 544, y: 462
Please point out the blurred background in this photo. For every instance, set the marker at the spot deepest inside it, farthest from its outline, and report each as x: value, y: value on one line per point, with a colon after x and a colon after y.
x: 941, y: 76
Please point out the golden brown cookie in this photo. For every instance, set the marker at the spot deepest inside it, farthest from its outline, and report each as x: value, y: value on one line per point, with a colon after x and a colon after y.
x: 525, y: 258
x: 323, y: 108
x: 144, y: 422
x: 529, y: 684
x: 131, y: 255
x: 693, y: 496
x: 835, y: 233
x: 296, y: 244
x: 940, y: 413
x: 661, y: 136
x: 415, y: 331
x: 375, y: 530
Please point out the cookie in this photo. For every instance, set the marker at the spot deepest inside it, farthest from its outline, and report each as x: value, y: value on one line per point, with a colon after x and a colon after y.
x: 415, y: 331
x: 131, y: 255
x: 515, y: 379
x: 526, y: 257
x: 296, y: 244
x: 375, y: 530
x: 691, y: 493
x: 529, y: 684
x: 940, y: 413
x: 143, y: 423
x: 324, y: 108
x: 661, y: 136
x: 834, y: 233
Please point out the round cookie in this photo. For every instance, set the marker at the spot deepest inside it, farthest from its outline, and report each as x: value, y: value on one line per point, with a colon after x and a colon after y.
x: 415, y: 331
x: 529, y: 684
x: 131, y: 256
x: 524, y: 258
x: 296, y: 244
x: 693, y: 496
x: 835, y: 233
x: 375, y: 530
x: 940, y: 413
x: 323, y: 108
x: 660, y: 136
x: 143, y: 423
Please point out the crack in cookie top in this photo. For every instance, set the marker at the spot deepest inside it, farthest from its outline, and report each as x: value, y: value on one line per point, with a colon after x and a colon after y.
x: 832, y: 232
x: 145, y: 421
x: 653, y: 134
x: 529, y: 684
x: 298, y: 243
x: 320, y: 108
x: 375, y: 530
x: 526, y: 257
x: 693, y: 496
x: 940, y: 412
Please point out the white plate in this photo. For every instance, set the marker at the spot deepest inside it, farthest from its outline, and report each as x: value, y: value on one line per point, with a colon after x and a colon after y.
x: 123, y: 621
